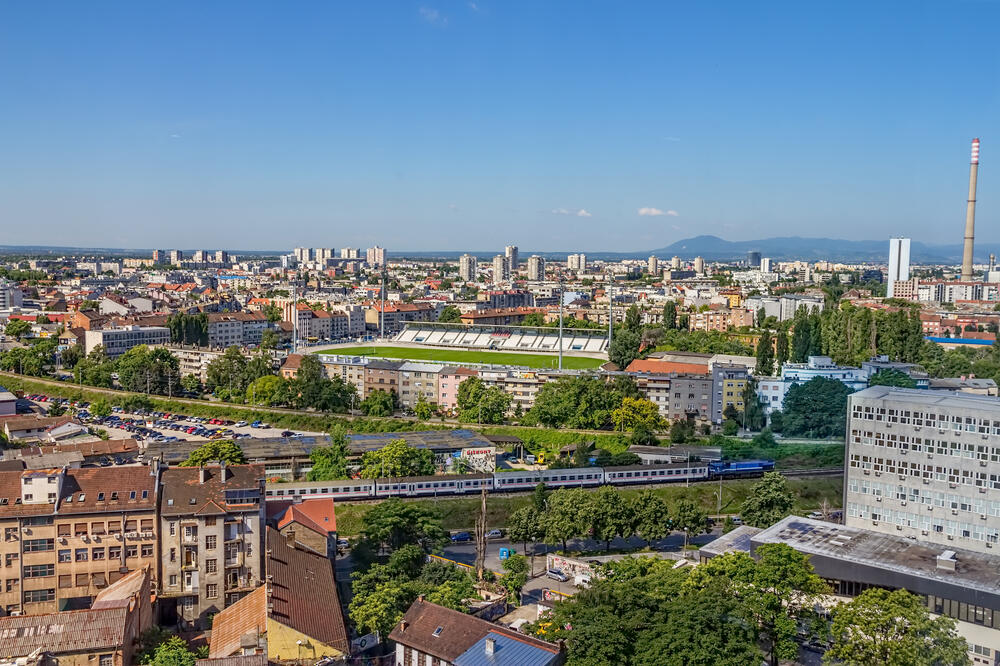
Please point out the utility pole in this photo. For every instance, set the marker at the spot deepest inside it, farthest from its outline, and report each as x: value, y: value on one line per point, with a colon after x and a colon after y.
x: 381, y: 325
x: 295, y: 320
x: 481, y: 537
x: 611, y: 310
x: 561, y: 299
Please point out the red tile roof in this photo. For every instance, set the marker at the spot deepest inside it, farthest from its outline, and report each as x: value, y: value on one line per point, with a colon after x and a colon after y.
x: 248, y: 615
x: 316, y: 514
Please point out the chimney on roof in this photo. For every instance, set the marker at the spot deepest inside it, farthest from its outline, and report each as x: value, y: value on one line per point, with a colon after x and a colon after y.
x: 202, y: 474
x: 491, y: 646
x: 946, y: 561
x: 223, y: 472
x: 403, y: 624
x: 420, y: 598
x: 290, y: 538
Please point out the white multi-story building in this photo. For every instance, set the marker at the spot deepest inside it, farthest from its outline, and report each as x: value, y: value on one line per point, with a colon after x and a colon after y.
x: 765, y: 265
x: 513, y: 259
x: 321, y: 254
x: 924, y: 465
x: 468, y: 265
x: 899, y: 263
x: 699, y: 265
x: 303, y: 255
x: 576, y: 262
x: 350, y: 253
x: 501, y: 269
x: 10, y: 295
x: 176, y: 257
x: 536, y: 268
x: 117, y: 341
x: 772, y: 390
x: 675, y: 262
x: 653, y: 265
x: 375, y: 256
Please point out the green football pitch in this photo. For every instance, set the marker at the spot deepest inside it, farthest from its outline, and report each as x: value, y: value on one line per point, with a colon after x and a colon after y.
x: 458, y: 356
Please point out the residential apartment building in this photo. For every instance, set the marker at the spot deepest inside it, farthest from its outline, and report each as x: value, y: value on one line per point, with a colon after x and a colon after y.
x: 499, y: 316
x: 350, y: 369
x: 117, y: 341
x: 772, y: 390
x: 381, y: 375
x: 505, y: 298
x: 510, y: 252
x: 924, y: 465
x: 728, y: 384
x: 536, y: 268
x: 418, y: 379
x: 501, y: 269
x: 655, y: 387
x: 211, y: 539
x: 576, y: 262
x: 69, y: 533
x: 375, y: 256
x: 10, y: 295
x: 468, y: 266
x: 691, y: 398
x: 720, y: 320
x: 395, y: 315
x: 449, y: 380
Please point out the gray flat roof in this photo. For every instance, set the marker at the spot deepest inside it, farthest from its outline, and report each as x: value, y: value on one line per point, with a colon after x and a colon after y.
x: 735, y: 541
x: 929, y: 398
x: 976, y: 571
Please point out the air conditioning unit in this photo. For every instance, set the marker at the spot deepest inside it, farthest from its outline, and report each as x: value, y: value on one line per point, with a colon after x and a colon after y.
x: 878, y: 499
x: 25, y: 530
x: 923, y: 532
x: 899, y: 527
x: 982, y: 463
x: 951, y: 537
x: 85, y: 538
x: 982, y: 516
x: 954, y: 512
x: 902, y: 503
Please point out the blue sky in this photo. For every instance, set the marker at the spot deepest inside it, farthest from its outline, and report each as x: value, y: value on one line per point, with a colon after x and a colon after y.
x: 469, y: 125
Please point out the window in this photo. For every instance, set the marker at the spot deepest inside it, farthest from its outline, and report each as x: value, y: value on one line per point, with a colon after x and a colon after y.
x: 12, y: 584
x: 66, y: 555
x: 106, y: 660
x: 173, y: 554
x: 10, y: 534
x: 9, y: 559
x: 212, y: 591
x: 131, y: 526
x: 173, y: 529
x: 35, y: 596
x: 147, y: 550
x: 210, y: 521
x: 211, y: 566
x: 82, y: 580
x: 66, y: 580
x: 146, y: 525
x: 80, y: 529
x: 39, y: 570
x: 173, y: 580
x: 115, y: 553
x: 97, y: 529
x: 98, y: 579
x: 114, y: 527
x: 210, y: 542
x: 131, y: 551
x: 64, y: 530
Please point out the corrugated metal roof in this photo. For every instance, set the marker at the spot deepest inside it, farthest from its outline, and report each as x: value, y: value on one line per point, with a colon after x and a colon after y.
x: 69, y: 631
x: 507, y: 651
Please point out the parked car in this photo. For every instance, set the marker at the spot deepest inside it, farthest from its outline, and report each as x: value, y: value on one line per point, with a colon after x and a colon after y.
x: 557, y: 574
x: 494, y: 534
x: 287, y: 433
x: 460, y: 536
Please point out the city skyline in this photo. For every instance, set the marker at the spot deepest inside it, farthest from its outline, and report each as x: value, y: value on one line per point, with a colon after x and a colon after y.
x: 133, y: 126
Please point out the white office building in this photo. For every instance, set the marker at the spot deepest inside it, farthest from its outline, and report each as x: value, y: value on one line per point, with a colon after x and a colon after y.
x: 117, y: 341
x: 899, y: 263
x: 924, y: 465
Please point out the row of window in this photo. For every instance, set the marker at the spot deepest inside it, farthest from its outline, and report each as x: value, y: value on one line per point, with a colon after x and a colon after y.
x: 953, y: 528
x: 970, y: 450
x: 954, y: 422
x: 940, y: 473
x: 975, y: 504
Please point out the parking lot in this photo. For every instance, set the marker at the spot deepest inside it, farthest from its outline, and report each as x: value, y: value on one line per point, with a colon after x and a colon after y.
x: 165, y: 427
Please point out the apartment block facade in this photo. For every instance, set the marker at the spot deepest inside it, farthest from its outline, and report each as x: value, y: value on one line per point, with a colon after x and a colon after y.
x: 924, y: 465
x: 212, y: 529
x: 69, y: 533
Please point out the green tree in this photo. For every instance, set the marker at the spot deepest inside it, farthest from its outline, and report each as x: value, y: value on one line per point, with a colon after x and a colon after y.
x: 191, y: 383
x: 577, y: 402
x: 524, y: 525
x: 450, y: 315
x: 779, y: 589
x: 273, y: 312
x: 17, y: 328
x: 753, y: 411
x: 565, y: 515
x: 397, y: 459
x: 70, y: 356
x: 817, y: 408
x: 173, y: 651
x: 148, y: 370
x: 633, y: 320
x: 893, y: 628
x: 651, y: 516
x: 228, y: 371
x: 422, y: 408
x: 709, y: 628
x: 781, y: 350
x: 730, y: 428
x: 624, y: 347
x: 330, y: 462
x: 478, y: 403
x: 765, y: 355
x: 892, y: 377
x: 609, y: 515
x: 100, y: 408
x: 219, y: 450
x: 515, y: 577
x: 269, y: 339
x: 394, y: 523
x: 689, y: 518
x: 270, y: 390
x: 769, y: 500
x: 670, y: 315
x: 378, y: 403
x: 636, y: 413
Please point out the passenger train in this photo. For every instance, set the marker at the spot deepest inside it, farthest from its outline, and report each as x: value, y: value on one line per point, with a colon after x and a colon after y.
x: 515, y: 481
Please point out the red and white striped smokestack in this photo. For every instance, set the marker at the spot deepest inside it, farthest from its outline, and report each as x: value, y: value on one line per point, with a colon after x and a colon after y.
x: 970, y: 214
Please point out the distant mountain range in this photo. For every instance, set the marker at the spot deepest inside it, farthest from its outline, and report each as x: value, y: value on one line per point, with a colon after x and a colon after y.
x: 714, y: 248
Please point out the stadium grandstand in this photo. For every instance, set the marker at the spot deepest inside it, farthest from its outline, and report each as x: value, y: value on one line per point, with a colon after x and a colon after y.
x: 503, y: 338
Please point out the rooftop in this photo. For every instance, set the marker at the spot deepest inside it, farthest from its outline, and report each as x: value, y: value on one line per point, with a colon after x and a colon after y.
x: 65, y: 632
x: 974, y: 571
x: 928, y: 398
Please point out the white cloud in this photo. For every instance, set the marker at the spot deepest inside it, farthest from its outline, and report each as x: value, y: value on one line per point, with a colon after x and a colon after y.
x: 655, y: 212
x: 433, y: 16
x: 473, y: 6
x: 579, y: 212
x: 453, y: 206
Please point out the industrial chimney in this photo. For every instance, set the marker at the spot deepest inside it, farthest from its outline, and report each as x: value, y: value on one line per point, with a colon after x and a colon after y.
x: 970, y: 214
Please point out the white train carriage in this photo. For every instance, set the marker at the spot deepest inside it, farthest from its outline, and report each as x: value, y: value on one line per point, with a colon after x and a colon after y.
x: 655, y: 473
x: 347, y: 489
x: 572, y: 478
x: 511, y: 481
x: 432, y: 486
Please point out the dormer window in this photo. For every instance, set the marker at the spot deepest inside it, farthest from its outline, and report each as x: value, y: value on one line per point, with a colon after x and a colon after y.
x: 82, y: 497
x: 100, y: 497
x: 145, y: 494
x: 28, y: 497
x: 114, y: 496
x: 131, y: 495
x: 27, y: 480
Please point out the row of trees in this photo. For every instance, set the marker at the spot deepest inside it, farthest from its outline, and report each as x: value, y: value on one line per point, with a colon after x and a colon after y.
x: 591, y: 402
x: 721, y: 613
